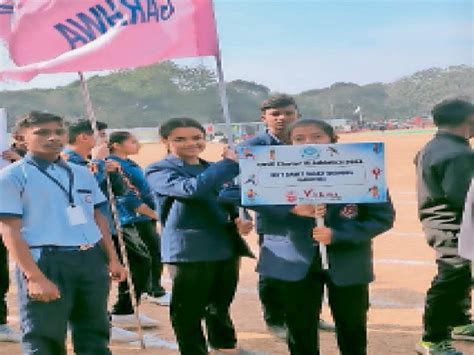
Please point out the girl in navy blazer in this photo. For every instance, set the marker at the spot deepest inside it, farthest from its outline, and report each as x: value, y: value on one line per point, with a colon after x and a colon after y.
x: 200, y: 237
x: 290, y: 253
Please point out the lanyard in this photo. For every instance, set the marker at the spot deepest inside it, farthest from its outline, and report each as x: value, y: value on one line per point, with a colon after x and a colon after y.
x: 68, y: 192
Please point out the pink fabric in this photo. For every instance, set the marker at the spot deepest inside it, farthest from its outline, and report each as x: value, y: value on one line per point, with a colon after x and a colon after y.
x: 52, y: 36
x: 6, y: 12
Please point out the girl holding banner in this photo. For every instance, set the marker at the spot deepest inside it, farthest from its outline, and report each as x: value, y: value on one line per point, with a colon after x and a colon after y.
x: 290, y: 254
x: 200, y: 237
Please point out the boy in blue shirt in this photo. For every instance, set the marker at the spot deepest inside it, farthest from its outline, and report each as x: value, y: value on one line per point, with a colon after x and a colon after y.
x: 60, y: 242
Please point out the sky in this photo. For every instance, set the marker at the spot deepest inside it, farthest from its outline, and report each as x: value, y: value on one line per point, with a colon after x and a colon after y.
x: 296, y: 45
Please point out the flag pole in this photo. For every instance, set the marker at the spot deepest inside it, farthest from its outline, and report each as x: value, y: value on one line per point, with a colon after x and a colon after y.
x: 322, y: 248
x: 113, y: 207
x: 223, y: 98
x: 226, y: 113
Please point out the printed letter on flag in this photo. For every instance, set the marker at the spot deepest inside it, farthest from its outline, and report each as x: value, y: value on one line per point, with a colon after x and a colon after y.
x: 6, y: 12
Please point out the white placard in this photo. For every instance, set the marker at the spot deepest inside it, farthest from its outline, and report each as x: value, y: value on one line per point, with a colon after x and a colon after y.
x: 323, y: 173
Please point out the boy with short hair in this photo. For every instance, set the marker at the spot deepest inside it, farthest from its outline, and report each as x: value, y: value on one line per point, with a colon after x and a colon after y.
x: 445, y: 167
x: 60, y: 241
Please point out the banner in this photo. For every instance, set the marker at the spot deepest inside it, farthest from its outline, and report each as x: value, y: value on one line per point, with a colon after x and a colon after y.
x: 323, y: 173
x: 54, y: 36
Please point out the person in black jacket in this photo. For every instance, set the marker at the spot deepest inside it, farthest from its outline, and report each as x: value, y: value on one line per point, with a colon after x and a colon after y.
x: 445, y: 167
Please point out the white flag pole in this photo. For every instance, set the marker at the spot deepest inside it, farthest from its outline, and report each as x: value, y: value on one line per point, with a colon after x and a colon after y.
x: 113, y: 207
x: 322, y: 247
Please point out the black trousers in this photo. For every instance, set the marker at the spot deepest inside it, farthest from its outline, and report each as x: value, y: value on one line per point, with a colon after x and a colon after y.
x: 272, y: 300
x: 203, y: 290
x: 448, y: 301
x: 149, y: 235
x: 140, y: 262
x: 349, y: 306
x: 4, y: 282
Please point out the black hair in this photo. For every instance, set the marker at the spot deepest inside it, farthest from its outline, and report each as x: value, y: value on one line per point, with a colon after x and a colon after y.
x: 277, y: 101
x: 179, y: 122
x: 118, y: 137
x: 82, y: 126
x: 323, y: 125
x: 452, y: 112
x: 35, y: 118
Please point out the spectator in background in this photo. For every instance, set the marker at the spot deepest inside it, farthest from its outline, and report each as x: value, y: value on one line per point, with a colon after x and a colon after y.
x: 445, y: 168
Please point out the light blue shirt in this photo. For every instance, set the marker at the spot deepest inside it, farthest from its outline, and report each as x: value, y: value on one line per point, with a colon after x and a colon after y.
x: 27, y: 193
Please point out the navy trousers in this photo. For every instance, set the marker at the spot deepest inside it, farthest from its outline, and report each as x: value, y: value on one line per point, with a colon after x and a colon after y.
x: 83, y: 280
x: 4, y: 282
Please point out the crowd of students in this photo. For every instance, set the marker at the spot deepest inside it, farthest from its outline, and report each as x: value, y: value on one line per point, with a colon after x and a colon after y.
x: 58, y: 228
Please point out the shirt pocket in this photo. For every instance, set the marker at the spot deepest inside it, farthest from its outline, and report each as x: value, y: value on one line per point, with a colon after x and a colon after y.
x: 86, y: 196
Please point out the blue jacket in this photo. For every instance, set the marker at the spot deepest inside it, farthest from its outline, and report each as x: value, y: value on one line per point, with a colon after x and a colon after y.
x: 288, y: 249
x: 195, y: 226
x: 134, y: 178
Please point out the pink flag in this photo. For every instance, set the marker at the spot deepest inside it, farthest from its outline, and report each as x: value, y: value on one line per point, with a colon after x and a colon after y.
x: 6, y: 13
x: 54, y: 36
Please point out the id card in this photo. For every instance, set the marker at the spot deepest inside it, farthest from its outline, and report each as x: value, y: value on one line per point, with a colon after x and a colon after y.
x: 76, y: 215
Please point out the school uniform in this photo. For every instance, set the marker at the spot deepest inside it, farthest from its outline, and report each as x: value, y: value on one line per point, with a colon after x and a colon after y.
x: 66, y: 250
x: 4, y: 269
x: 445, y: 168
x: 289, y: 254
x: 202, y: 246
x: 268, y: 287
x: 146, y: 227
x: 137, y: 252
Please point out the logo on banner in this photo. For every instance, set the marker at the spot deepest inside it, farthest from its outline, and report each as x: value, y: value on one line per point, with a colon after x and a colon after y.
x: 251, y: 194
x: 310, y: 152
x: 291, y: 196
x: 349, y: 211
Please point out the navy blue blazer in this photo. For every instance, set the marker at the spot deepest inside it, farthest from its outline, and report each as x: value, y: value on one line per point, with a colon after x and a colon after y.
x: 195, y: 226
x: 288, y: 250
